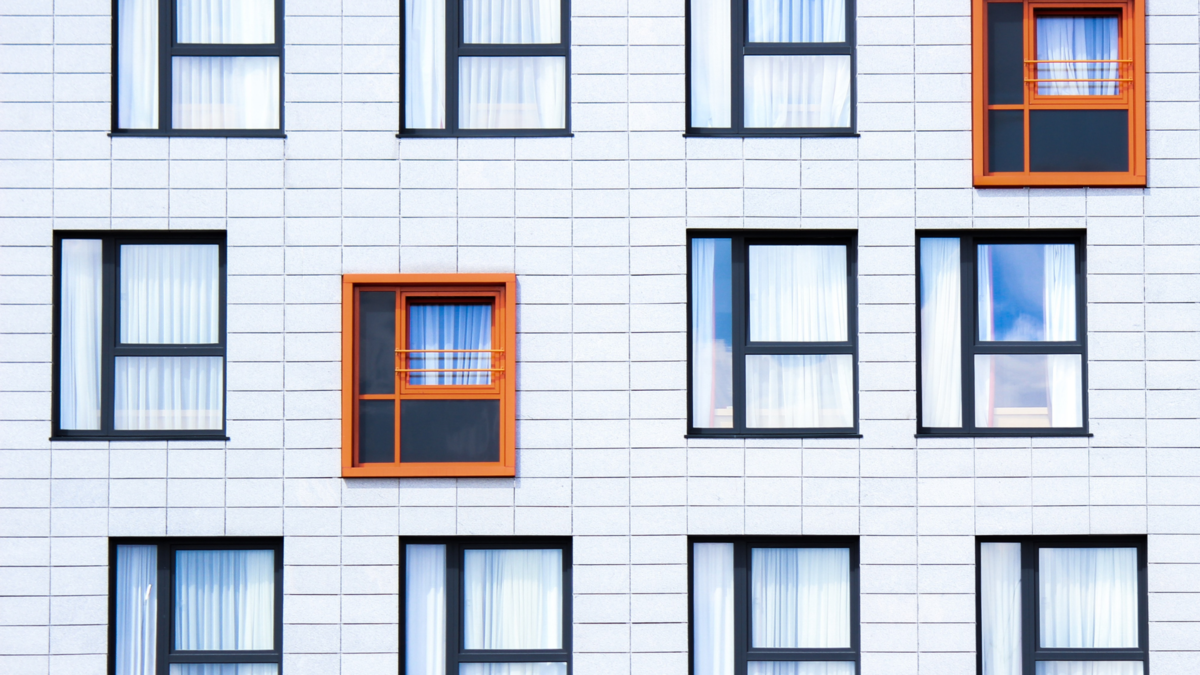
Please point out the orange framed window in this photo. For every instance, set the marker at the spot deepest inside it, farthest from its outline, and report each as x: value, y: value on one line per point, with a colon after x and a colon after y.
x: 1059, y: 93
x: 428, y: 375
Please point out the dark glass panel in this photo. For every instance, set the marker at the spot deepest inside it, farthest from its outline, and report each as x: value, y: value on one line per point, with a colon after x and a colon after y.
x: 1006, y: 140
x: 377, y: 342
x: 1005, y: 54
x: 450, y: 431
x: 376, y: 431
x: 1078, y: 140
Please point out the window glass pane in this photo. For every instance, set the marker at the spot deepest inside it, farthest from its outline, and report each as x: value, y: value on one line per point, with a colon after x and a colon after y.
x: 798, y: 294
x: 169, y: 392
x: 512, y: 92
x: 511, y: 21
x: 225, y: 92
x: 712, y: 334
x: 712, y: 609
x: 81, y: 316
x: 224, y: 600
x: 223, y: 669
x: 797, y: 91
x: 512, y: 669
x: 456, y: 337
x: 137, y: 609
x: 137, y: 64
x: 170, y: 294
x: 1089, y: 668
x: 1078, y: 38
x: 711, y: 46
x: 425, y: 609
x: 941, y: 334
x: 799, y: 391
x: 225, y: 21
x: 376, y: 431
x: 797, y: 20
x: 377, y: 342
x: 1000, y: 607
x: 512, y: 599
x: 1026, y: 292
x: 800, y: 668
x: 800, y: 599
x: 425, y: 64
x: 1088, y: 598
x: 1028, y: 390
x: 456, y: 430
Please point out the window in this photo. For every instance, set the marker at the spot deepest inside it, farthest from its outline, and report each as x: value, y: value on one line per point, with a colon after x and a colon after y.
x: 428, y: 381
x: 774, y: 606
x: 140, y: 336
x: 771, y: 67
x: 198, y: 67
x: 1062, y: 605
x: 1060, y: 92
x: 486, y: 607
x: 195, y: 606
x: 773, y: 334
x: 1003, y: 334
x: 486, y: 68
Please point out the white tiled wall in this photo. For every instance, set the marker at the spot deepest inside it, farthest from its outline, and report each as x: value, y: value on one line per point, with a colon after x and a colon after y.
x: 594, y: 226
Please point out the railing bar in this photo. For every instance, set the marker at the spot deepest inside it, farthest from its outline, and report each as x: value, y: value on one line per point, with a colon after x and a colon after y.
x: 447, y: 351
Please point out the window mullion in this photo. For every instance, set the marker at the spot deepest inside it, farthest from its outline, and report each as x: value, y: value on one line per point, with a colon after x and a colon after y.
x: 108, y: 339
x: 739, y: 300
x: 454, y: 600
x: 450, y: 91
x: 741, y: 607
x: 737, y: 48
x: 166, y: 42
x: 166, y: 565
x: 966, y: 249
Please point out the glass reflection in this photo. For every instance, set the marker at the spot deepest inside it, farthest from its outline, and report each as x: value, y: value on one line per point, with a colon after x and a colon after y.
x: 1028, y: 390
x: 1026, y: 292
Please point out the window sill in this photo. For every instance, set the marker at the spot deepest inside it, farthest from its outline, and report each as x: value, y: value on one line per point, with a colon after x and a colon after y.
x: 448, y: 470
x: 779, y: 436
x: 781, y: 133
x: 1060, y: 180
x: 141, y: 437
x: 1005, y: 434
x: 490, y: 133
x: 198, y: 133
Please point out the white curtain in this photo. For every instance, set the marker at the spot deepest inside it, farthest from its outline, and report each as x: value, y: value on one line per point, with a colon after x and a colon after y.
x: 1065, y: 385
x: 425, y: 609
x: 1089, y: 668
x: 794, y: 391
x: 225, y: 92
x: 1088, y: 598
x: 712, y: 351
x: 798, y: 294
x: 169, y: 392
x: 137, y: 64
x: 450, y: 327
x: 425, y: 64
x: 797, y: 91
x: 1078, y: 38
x: 511, y: 21
x: 1000, y: 607
x: 512, y: 599
x: 941, y: 334
x: 223, y: 669
x: 225, y: 21
x: 800, y: 598
x: 985, y: 307
x: 512, y: 669
x: 81, y: 315
x: 797, y: 21
x: 512, y: 92
x: 170, y: 294
x: 800, y: 668
x: 712, y: 609
x: 137, y: 609
x: 224, y: 600
x: 711, y: 51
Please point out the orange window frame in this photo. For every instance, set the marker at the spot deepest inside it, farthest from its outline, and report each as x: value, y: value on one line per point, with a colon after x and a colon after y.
x: 1132, y: 96
x: 500, y: 291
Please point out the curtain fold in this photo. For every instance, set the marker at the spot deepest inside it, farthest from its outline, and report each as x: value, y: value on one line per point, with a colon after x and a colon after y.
x: 711, y: 53
x: 795, y: 391
x: 512, y: 21
x: 137, y: 64
x: 1064, y: 371
x: 170, y: 294
x: 425, y: 609
x: 223, y: 669
x: 512, y: 599
x: 81, y: 317
x: 1088, y: 598
x: 1089, y: 668
x: 797, y: 21
x: 169, y: 392
x: 224, y: 600
x: 797, y: 91
x: 425, y: 64
x: 800, y: 598
x: 512, y: 92
x: 798, y: 294
x: 225, y: 92
x: 800, y: 668
x: 1000, y: 607
x: 712, y: 340
x: 450, y: 327
x: 512, y: 669
x: 1078, y: 38
x: 712, y: 609
x: 941, y: 333
x: 136, y: 595
x: 225, y: 21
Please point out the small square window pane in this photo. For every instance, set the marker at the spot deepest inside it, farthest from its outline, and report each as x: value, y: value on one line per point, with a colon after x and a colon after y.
x: 225, y: 21
x: 169, y: 392
x: 1026, y: 292
x: 512, y: 92
x: 800, y: 599
x: 225, y: 92
x: 457, y: 340
x: 800, y: 668
x: 797, y: 20
x: 1079, y: 38
x: 224, y: 600
x: 1028, y: 390
x: 170, y: 294
x: 1089, y: 668
x: 799, y: 391
x: 512, y: 599
x: 223, y: 669
x: 512, y: 669
x: 798, y: 294
x: 790, y: 92
x: 512, y: 21
x: 1088, y: 598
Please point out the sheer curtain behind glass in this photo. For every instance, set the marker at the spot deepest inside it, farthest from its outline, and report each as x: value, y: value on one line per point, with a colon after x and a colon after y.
x: 425, y: 64
x: 711, y: 46
x: 137, y: 64
x: 512, y: 599
x: 136, y: 595
x: 512, y: 669
x: 512, y: 92
x: 1000, y: 607
x: 1089, y: 668
x: 450, y: 327
x: 1088, y: 598
x: 800, y: 598
x: 941, y: 333
x: 82, y: 311
x: 712, y: 334
x: 511, y: 21
x: 224, y: 600
x: 797, y: 91
x: 225, y: 21
x: 797, y: 21
x: 223, y: 669
x: 425, y: 609
x: 800, y: 668
x: 712, y: 609
x: 1078, y: 38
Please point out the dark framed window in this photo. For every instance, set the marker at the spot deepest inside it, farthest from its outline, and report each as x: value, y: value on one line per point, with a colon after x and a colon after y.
x: 485, y: 68
x: 773, y: 336
x: 139, y: 335
x: 1062, y: 605
x: 486, y: 606
x: 1002, y: 326
x: 197, y: 68
x: 182, y: 606
x: 773, y: 605
x: 771, y: 68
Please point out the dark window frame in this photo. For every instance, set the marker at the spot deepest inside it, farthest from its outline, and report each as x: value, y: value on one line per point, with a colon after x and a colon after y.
x: 742, y: 47
x: 456, y: 47
x: 743, y: 652
x: 968, y: 241
x: 1030, y: 643
x: 165, y: 652
x: 741, y: 240
x: 169, y: 47
x: 111, y: 347
x: 455, y: 653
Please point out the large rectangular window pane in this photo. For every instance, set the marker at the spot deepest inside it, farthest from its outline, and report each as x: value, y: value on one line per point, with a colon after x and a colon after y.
x: 170, y: 294
x: 1026, y: 292
x: 224, y: 600
x: 712, y: 334
x: 136, y: 595
x: 1089, y: 668
x: 1088, y: 598
x: 455, y: 338
x: 425, y: 609
x: 1028, y: 390
x: 798, y: 294
x: 1000, y: 607
x: 512, y: 599
x: 512, y: 92
x: 711, y: 47
x: 169, y: 392
x: 797, y: 20
x: 1061, y: 39
x: 455, y: 430
x: 941, y: 333
x: 377, y: 342
x: 81, y: 317
x: 137, y: 64
x: 800, y: 668
x: 223, y: 669
x: 512, y: 669
x: 511, y: 21
x: 225, y: 21
x: 796, y: 391
x: 225, y: 92
x: 800, y: 598
x: 425, y: 64
x: 712, y: 609
x: 797, y: 91
x: 1078, y: 140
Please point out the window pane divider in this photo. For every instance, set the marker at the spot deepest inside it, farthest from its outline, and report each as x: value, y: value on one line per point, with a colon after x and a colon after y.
x: 224, y: 49
x: 511, y: 50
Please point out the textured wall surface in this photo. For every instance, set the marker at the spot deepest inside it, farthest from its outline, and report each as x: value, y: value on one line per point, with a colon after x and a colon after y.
x: 594, y: 226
